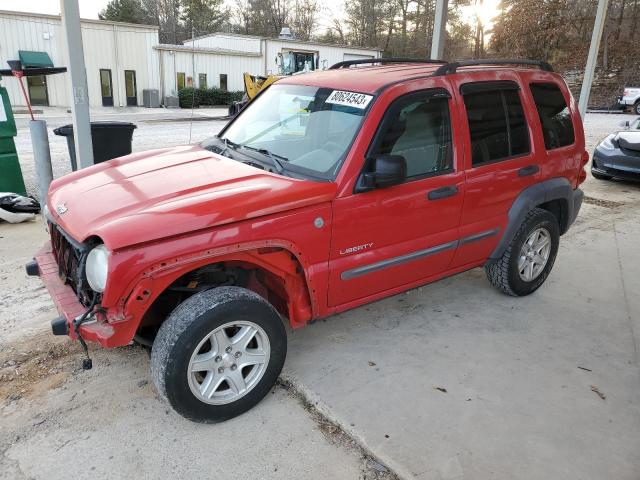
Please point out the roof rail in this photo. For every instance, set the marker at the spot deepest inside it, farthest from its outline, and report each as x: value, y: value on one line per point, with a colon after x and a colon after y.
x: 348, y: 63
x: 453, y: 66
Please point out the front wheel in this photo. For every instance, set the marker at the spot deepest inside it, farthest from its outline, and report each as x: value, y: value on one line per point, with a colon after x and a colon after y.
x: 218, y: 354
x: 636, y: 108
x: 527, y: 261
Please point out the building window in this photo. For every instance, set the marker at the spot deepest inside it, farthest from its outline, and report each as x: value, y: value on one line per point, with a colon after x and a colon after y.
x: 202, y: 81
x: 180, y: 80
x: 223, y: 81
x: 131, y: 88
x: 496, y: 119
x: 417, y: 127
x: 106, y: 88
x: 555, y: 117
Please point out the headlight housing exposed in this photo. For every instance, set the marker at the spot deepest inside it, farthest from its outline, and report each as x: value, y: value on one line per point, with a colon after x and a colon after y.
x: 97, y: 267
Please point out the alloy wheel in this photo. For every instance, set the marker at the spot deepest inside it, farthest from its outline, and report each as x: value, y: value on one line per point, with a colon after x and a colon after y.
x: 228, y: 362
x: 534, y: 254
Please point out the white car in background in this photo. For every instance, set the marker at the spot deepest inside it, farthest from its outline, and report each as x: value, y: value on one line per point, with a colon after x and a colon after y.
x: 631, y: 98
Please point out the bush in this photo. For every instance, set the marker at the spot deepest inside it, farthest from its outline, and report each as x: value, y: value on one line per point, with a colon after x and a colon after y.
x: 210, y: 96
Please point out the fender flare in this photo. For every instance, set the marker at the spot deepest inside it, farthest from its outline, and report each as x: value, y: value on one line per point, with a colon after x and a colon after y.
x: 530, y: 198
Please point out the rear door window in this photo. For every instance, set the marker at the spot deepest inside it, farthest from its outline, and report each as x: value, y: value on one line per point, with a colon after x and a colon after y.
x: 555, y: 118
x: 497, y: 124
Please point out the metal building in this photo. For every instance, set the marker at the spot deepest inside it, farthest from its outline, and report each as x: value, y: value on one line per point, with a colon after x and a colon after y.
x: 123, y: 59
x: 119, y: 57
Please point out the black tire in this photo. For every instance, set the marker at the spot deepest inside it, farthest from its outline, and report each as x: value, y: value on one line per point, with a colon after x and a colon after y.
x: 636, y: 108
x: 503, y: 273
x: 600, y: 176
x: 188, y: 325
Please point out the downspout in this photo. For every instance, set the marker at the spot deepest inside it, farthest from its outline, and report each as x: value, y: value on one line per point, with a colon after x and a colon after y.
x: 117, y: 60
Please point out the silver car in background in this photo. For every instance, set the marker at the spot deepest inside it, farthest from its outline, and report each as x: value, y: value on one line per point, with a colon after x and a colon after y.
x: 618, y: 154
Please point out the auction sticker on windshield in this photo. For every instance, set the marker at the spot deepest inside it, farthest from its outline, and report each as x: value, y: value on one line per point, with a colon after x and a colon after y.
x: 349, y: 99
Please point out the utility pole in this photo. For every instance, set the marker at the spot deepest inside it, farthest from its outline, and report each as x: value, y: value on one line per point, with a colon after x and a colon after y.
x: 439, y: 30
x: 592, y: 58
x: 79, y: 92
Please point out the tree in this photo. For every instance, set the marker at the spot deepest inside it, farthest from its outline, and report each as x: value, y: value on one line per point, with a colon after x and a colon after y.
x: 202, y: 16
x: 123, y: 11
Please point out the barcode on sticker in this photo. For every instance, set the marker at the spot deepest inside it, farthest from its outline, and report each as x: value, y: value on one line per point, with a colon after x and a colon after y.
x: 349, y: 99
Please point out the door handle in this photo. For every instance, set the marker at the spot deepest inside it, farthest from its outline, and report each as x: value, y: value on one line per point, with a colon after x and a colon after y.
x: 528, y: 170
x: 442, y: 192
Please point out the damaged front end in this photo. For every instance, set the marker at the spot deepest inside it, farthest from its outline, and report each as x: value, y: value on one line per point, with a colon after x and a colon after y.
x: 61, y: 264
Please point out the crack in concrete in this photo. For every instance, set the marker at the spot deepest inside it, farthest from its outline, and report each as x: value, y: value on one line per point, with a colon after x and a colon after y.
x: 625, y: 296
x: 373, y: 468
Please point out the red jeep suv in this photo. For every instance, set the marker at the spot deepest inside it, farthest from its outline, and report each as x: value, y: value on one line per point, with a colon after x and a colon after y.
x: 330, y: 190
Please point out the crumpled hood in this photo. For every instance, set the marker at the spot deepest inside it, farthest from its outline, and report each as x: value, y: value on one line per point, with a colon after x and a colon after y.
x: 160, y: 193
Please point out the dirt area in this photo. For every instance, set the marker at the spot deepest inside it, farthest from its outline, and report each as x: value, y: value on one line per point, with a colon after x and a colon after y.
x: 56, y: 419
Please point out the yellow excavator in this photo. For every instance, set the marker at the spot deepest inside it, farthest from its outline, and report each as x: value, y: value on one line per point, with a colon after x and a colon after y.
x: 253, y: 84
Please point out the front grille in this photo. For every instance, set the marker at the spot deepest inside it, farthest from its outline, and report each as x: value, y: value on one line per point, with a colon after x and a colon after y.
x: 71, y: 257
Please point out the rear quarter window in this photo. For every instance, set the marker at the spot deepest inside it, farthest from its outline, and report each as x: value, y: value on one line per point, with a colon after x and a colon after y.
x: 555, y: 118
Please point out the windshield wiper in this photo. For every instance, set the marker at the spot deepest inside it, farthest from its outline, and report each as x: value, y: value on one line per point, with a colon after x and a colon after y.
x: 274, y: 158
x: 228, y: 143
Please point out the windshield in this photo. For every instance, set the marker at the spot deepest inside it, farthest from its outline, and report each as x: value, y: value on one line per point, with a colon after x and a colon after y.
x: 305, y: 128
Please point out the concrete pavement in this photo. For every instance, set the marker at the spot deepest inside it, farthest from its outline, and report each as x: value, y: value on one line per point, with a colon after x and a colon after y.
x: 518, y: 372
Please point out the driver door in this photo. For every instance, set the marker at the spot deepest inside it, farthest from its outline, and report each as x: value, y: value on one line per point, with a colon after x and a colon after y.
x: 386, y: 239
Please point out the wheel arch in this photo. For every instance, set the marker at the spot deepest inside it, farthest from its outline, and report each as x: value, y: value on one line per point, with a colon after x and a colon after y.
x: 277, y: 271
x: 555, y: 195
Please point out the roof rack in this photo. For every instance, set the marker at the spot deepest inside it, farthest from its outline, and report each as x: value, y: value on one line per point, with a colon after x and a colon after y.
x: 453, y: 66
x: 348, y: 63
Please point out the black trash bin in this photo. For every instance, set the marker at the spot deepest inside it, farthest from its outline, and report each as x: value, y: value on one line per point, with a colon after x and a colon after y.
x: 109, y: 139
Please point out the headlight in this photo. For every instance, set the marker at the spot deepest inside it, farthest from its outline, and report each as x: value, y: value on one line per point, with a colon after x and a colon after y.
x: 98, y: 267
x: 607, y: 143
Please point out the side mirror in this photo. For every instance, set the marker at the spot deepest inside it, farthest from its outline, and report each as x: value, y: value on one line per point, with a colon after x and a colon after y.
x: 625, y: 124
x: 388, y: 170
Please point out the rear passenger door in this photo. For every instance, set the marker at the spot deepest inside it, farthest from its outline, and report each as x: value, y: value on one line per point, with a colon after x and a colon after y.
x: 500, y: 163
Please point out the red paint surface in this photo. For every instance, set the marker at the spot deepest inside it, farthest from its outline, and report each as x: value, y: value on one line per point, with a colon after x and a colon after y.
x: 166, y: 212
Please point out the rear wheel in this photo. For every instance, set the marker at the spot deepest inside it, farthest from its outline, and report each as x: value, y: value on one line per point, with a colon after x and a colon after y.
x: 527, y: 261
x: 636, y: 108
x: 218, y: 354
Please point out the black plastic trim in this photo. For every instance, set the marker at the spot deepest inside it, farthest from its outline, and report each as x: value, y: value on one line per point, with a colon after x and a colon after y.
x: 530, y: 198
x: 488, y: 86
x: 364, y: 61
x: 32, y: 269
x: 59, y: 326
x: 452, y: 67
x: 394, y: 261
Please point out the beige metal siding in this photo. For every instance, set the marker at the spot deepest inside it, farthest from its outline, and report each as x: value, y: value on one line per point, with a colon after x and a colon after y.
x: 116, y: 47
x: 229, y: 42
x: 212, y: 64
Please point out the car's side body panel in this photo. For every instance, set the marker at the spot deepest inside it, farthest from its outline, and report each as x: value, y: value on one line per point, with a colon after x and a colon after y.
x: 328, y: 246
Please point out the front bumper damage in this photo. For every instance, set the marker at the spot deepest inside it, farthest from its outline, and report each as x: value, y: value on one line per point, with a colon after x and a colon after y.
x: 94, y: 326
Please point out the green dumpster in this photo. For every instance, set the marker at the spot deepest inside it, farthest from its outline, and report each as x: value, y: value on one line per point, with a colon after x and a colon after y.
x: 10, y: 173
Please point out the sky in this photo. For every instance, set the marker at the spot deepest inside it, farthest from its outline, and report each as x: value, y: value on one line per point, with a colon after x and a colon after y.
x: 91, y: 8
